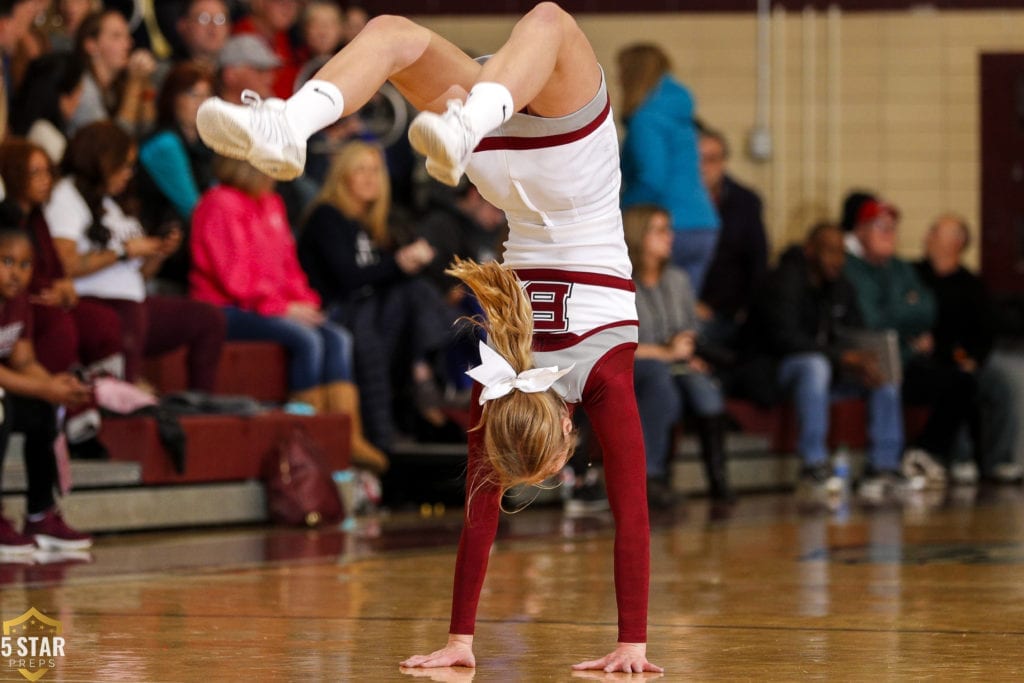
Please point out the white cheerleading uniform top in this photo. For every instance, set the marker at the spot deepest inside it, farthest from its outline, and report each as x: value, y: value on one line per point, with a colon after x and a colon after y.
x: 557, y: 180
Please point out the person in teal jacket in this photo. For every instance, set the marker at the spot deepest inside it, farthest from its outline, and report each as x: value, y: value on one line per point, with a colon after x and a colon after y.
x: 892, y: 296
x: 176, y: 166
x: 660, y: 156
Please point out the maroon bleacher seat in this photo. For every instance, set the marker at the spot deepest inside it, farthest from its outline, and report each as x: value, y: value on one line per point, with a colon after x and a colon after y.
x: 256, y: 369
x: 224, y: 447
x: 221, y: 447
x: 847, y: 422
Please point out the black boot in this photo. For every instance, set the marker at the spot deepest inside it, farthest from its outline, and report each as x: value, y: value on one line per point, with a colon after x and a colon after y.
x: 711, y: 431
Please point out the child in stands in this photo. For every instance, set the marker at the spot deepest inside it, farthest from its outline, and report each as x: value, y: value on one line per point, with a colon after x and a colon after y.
x: 30, y: 399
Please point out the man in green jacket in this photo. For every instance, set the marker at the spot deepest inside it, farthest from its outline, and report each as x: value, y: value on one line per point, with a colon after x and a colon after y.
x: 892, y: 296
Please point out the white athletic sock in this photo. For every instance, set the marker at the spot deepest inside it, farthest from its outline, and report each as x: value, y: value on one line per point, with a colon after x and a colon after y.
x: 488, y: 106
x: 316, y: 105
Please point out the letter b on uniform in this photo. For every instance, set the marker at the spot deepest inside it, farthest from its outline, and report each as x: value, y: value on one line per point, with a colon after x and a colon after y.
x: 549, y: 301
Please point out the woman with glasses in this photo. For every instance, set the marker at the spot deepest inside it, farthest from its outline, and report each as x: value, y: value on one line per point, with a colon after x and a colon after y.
x: 204, y: 28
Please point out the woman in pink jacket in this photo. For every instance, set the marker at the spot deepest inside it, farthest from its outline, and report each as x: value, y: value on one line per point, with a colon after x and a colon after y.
x: 244, y: 260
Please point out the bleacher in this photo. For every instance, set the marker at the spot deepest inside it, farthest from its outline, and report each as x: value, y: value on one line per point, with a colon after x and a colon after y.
x: 139, y: 487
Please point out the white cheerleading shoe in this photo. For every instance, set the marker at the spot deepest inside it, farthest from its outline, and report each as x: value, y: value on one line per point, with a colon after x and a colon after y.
x: 256, y: 131
x: 446, y: 140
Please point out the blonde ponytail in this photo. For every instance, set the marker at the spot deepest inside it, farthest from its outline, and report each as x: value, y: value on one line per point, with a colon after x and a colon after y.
x: 524, y: 441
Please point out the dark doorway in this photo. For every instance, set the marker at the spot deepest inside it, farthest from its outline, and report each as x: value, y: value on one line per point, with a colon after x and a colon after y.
x: 1002, y: 173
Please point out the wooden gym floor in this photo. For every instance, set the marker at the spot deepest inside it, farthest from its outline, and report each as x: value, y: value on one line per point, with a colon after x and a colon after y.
x: 933, y: 591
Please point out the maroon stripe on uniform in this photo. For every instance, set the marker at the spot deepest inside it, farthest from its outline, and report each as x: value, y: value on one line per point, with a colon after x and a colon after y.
x: 575, y: 277
x: 511, y: 142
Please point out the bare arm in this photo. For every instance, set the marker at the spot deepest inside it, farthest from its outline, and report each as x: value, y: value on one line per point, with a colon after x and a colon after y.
x: 80, y: 265
x: 27, y: 377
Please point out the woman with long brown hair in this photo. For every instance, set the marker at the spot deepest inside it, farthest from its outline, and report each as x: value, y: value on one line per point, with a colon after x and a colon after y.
x: 69, y: 332
x: 118, y: 81
x: 101, y: 244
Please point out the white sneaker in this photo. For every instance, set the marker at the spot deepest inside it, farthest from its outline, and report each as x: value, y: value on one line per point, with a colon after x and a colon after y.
x: 920, y: 464
x: 964, y: 473
x: 446, y: 140
x: 881, y: 488
x: 1007, y: 473
x: 256, y: 131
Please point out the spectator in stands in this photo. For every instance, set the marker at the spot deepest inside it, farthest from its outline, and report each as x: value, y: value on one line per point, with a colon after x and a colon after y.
x: 176, y: 166
x: 102, y: 245
x: 461, y: 224
x: 204, y: 28
x: 65, y: 21
x: 45, y: 103
x: 963, y: 338
x: 367, y: 283
x: 31, y: 396
x: 741, y: 257
x: 890, y: 295
x: 15, y: 19
x: 69, y: 333
x: 660, y: 160
x: 272, y: 21
x: 118, y: 81
x: 246, y: 63
x: 244, y: 260
x: 33, y: 44
x: 669, y: 375
x: 794, y: 336
x: 356, y: 17
x: 323, y: 30
x: 851, y: 207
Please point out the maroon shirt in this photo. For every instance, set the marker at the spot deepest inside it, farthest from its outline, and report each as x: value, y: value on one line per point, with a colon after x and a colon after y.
x: 15, y: 325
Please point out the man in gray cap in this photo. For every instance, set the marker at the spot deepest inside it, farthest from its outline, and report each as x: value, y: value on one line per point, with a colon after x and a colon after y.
x: 246, y: 63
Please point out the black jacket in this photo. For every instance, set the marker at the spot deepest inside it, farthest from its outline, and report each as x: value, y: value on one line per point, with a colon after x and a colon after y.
x: 965, y: 317
x: 339, y: 258
x: 792, y: 314
x: 741, y: 257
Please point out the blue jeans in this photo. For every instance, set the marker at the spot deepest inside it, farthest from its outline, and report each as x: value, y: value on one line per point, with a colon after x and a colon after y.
x: 808, y: 377
x: 692, y: 250
x: 316, y: 355
x: 662, y: 398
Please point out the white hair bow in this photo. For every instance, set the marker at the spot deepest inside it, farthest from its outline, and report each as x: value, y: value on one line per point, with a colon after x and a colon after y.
x: 499, y: 378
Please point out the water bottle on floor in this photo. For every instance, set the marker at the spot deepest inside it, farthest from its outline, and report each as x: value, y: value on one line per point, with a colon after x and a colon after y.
x: 839, y: 484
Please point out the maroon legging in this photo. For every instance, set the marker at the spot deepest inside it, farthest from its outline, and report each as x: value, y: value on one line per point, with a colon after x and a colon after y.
x: 161, y: 324
x: 610, y: 403
x: 62, y: 338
